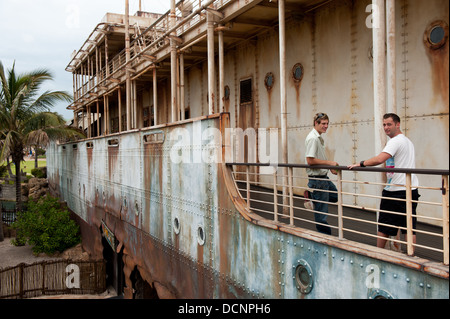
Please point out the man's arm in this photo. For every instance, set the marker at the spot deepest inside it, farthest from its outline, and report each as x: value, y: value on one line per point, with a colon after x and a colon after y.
x: 374, y: 161
x: 316, y: 161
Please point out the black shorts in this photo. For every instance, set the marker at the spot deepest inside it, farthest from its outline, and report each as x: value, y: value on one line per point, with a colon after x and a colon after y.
x: 396, y: 206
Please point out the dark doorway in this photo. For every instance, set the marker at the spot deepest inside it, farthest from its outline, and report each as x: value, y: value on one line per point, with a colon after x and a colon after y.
x: 114, y: 267
x: 141, y: 288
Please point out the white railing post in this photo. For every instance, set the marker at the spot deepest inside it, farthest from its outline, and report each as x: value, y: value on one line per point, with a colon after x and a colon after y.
x: 409, y: 223
x: 339, y: 203
x: 445, y: 218
x: 247, y: 186
x: 291, y: 195
x: 275, y: 197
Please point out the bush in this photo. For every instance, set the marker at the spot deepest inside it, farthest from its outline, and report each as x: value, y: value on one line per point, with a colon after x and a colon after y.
x: 3, y: 170
x: 38, y: 172
x: 46, y: 226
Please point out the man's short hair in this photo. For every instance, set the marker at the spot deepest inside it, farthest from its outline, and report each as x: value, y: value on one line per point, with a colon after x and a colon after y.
x: 319, y: 117
x: 393, y: 116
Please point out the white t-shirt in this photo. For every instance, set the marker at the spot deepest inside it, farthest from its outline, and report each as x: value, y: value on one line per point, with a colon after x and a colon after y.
x: 403, y: 156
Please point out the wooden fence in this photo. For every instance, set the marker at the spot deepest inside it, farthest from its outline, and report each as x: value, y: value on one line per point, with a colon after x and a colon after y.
x: 52, y: 278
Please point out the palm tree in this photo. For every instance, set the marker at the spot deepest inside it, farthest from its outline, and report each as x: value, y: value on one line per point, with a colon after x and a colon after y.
x: 25, y: 118
x: 46, y: 126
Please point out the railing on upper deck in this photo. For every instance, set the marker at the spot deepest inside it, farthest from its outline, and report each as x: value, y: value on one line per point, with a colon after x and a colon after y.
x: 188, y: 14
x: 261, y: 190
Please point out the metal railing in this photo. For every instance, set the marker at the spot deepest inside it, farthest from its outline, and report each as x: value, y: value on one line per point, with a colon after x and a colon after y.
x: 188, y: 14
x: 354, y: 215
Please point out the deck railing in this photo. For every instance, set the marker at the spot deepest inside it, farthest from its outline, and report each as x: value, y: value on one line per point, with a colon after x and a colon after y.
x: 354, y: 216
x: 188, y: 14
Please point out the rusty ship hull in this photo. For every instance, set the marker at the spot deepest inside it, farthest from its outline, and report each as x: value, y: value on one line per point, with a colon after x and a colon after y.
x: 157, y: 193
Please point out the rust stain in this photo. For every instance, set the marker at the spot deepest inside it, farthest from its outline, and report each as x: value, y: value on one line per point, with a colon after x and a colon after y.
x: 297, y: 86
x: 89, y: 157
x: 269, y: 100
x: 112, y: 160
x: 440, y: 73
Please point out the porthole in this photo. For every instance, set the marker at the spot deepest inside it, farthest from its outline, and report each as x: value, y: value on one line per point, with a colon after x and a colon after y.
x: 269, y: 81
x: 176, y: 225
x: 227, y: 93
x: 136, y: 208
x: 303, y: 276
x: 379, y: 294
x: 297, y: 72
x: 200, y: 236
x: 436, y: 35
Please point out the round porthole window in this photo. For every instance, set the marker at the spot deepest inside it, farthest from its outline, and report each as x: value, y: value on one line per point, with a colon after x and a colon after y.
x: 200, y: 236
x: 269, y: 81
x: 176, y: 225
x: 379, y: 294
x: 227, y: 93
x: 303, y: 277
x: 436, y: 35
x: 297, y: 72
x: 136, y: 208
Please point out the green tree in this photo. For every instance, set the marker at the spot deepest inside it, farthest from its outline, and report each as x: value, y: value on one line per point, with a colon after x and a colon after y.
x: 25, y: 118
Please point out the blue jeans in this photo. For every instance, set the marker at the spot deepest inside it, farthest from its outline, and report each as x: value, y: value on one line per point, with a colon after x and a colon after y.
x: 331, y: 197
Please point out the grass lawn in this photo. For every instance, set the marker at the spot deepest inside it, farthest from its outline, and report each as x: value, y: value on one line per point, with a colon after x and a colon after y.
x: 28, y: 165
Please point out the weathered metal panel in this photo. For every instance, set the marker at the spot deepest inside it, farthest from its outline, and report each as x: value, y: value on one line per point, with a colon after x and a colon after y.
x: 238, y: 256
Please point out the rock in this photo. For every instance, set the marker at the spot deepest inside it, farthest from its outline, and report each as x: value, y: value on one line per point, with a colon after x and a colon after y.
x: 75, y: 253
x: 37, y: 187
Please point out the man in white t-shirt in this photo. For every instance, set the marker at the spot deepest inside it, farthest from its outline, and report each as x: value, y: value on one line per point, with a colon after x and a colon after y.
x: 398, y: 153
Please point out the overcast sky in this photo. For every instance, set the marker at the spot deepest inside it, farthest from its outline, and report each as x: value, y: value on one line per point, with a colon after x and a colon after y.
x: 43, y: 34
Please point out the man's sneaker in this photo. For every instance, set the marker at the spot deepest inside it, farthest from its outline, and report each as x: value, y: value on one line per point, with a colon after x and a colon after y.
x: 308, y: 203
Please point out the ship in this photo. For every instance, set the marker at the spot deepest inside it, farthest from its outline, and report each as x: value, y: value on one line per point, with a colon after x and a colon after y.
x: 191, y: 180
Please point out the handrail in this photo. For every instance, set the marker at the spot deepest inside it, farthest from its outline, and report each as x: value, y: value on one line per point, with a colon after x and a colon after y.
x: 345, y: 168
x: 162, y: 31
x: 261, y: 191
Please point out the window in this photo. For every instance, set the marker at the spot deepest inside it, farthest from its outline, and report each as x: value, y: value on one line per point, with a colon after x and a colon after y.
x: 436, y: 35
x: 269, y: 81
x: 246, y: 91
x: 297, y: 72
